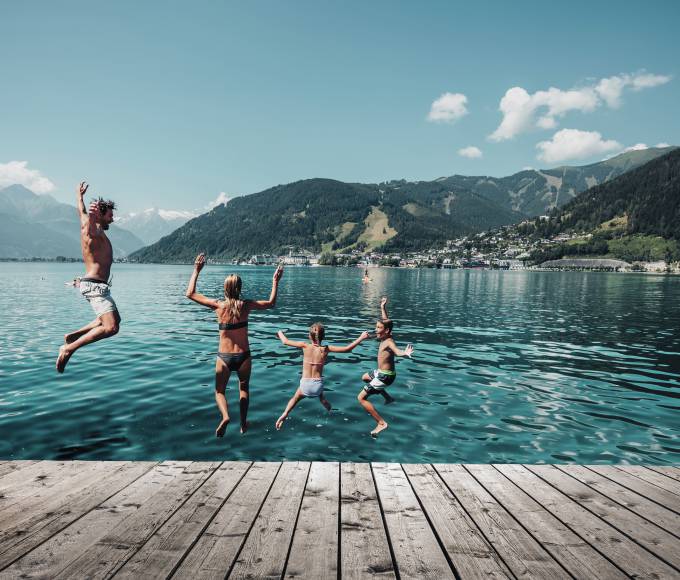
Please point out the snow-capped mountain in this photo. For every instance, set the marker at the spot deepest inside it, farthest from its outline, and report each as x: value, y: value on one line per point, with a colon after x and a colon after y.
x: 152, y: 224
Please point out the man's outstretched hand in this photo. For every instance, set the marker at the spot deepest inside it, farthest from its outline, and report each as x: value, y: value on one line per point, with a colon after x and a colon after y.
x: 82, y: 188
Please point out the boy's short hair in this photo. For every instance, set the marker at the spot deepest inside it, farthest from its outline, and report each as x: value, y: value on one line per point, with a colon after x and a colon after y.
x: 104, y: 205
x: 387, y: 324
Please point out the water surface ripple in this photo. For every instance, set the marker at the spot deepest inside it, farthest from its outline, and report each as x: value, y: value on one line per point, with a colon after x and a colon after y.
x: 509, y: 367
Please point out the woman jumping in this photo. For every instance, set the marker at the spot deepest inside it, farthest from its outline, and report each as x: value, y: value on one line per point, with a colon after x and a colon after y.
x: 234, y: 354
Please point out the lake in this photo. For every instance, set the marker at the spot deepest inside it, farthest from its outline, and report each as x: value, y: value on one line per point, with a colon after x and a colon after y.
x: 515, y: 367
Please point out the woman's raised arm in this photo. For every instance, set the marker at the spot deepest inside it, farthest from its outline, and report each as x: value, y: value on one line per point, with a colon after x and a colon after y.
x: 191, y: 293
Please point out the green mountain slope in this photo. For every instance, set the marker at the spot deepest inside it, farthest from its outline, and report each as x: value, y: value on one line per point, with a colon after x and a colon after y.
x: 323, y: 214
x: 318, y: 214
x: 633, y: 217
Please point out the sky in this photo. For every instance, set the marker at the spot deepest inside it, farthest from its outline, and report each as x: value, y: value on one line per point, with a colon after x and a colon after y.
x: 177, y: 105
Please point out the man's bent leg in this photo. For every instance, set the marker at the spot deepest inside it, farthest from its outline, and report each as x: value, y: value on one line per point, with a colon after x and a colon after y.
x: 108, y: 327
x: 76, y: 334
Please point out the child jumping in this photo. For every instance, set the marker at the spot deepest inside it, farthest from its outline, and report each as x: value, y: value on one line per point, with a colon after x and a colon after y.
x: 382, y: 377
x: 313, y: 361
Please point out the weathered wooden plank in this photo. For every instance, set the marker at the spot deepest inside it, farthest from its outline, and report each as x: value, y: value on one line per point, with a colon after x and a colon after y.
x: 414, y: 545
x: 265, y: 550
x: 119, y: 544
x: 521, y: 553
x: 10, y: 466
x: 35, y: 479
x: 166, y: 548
x: 314, y: 551
x: 654, y: 478
x: 54, y: 555
x: 640, y: 486
x: 213, y: 555
x: 363, y: 542
x: 567, y: 501
x: 41, y: 520
x: 630, y: 498
x: 668, y: 471
x: 471, y: 555
x: 578, y: 557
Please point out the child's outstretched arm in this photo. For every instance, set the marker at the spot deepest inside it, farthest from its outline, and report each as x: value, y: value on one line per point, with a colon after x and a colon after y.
x: 351, y: 346
x: 383, y: 308
x: 395, y: 349
x: 287, y: 342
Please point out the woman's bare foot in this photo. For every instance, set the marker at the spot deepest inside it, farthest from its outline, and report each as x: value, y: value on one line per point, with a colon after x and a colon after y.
x: 222, y: 427
x: 381, y: 427
x: 279, y: 422
x: 244, y: 426
x: 62, y: 359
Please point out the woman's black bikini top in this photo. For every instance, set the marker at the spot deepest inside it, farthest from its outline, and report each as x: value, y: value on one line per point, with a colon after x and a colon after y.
x: 234, y: 326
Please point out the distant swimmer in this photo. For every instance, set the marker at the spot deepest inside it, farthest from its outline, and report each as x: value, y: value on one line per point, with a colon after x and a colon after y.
x: 234, y: 354
x: 313, y: 360
x: 379, y: 379
x: 365, y: 279
x: 94, y: 286
x: 75, y: 282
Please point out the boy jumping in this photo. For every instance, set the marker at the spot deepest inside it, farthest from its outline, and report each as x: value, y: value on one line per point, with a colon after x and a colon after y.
x: 379, y: 379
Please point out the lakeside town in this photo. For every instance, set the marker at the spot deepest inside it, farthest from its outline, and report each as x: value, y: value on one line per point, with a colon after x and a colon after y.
x: 502, y: 249
x: 505, y: 248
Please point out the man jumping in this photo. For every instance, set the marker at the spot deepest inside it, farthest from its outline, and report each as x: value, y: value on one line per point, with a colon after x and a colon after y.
x: 98, y: 256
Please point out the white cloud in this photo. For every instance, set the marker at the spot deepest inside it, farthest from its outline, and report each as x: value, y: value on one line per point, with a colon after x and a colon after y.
x: 523, y: 111
x: 662, y: 145
x: 570, y: 144
x: 647, y: 81
x: 17, y: 172
x: 636, y: 147
x: 221, y: 199
x: 470, y: 152
x: 448, y: 108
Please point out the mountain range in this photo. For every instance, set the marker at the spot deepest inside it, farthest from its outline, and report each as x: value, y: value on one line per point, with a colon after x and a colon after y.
x: 324, y: 214
x: 633, y: 217
x: 152, y: 224
x: 38, y: 226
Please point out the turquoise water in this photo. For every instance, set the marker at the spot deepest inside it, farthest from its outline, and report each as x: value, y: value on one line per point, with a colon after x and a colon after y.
x: 509, y: 367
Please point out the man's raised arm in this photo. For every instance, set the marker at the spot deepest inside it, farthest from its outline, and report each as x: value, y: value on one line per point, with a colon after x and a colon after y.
x: 87, y: 221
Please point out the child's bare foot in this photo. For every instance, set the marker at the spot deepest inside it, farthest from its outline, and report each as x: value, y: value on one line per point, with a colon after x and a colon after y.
x: 279, y: 422
x: 244, y: 426
x: 62, y: 359
x: 222, y: 427
x: 381, y: 427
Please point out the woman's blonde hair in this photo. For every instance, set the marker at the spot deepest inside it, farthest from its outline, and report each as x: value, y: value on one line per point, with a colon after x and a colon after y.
x: 232, y: 296
x: 317, y: 332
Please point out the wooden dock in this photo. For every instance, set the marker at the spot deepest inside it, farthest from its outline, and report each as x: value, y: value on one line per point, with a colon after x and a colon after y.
x: 181, y: 519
